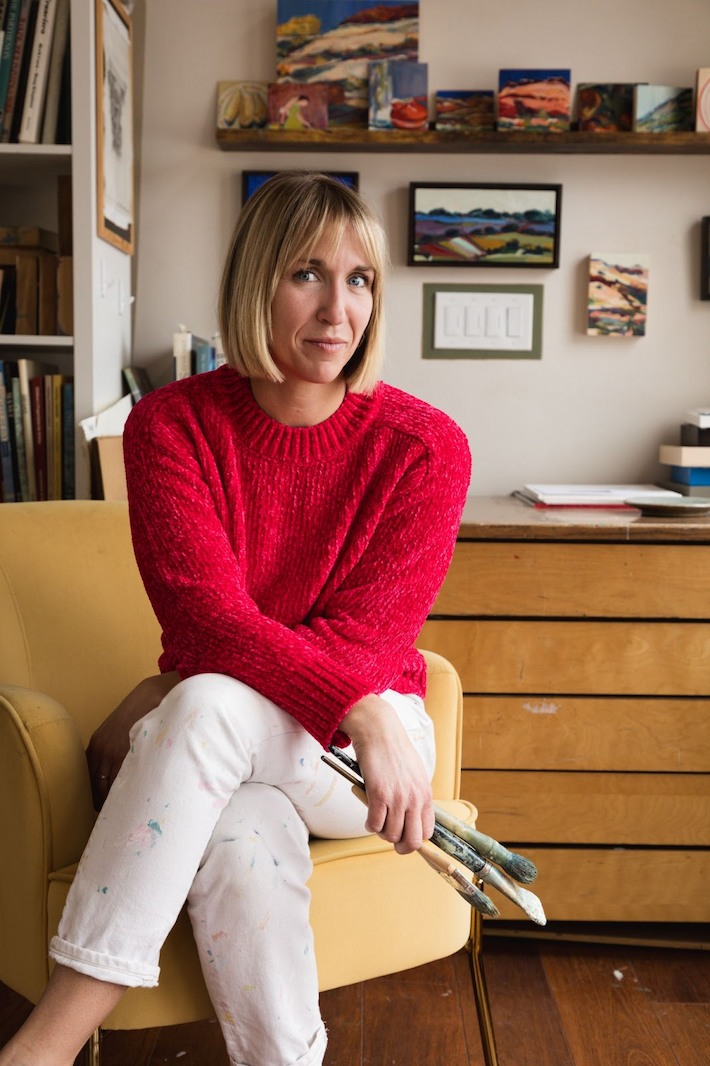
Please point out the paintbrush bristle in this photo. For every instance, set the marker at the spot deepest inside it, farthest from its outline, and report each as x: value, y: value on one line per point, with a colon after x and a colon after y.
x: 523, y: 870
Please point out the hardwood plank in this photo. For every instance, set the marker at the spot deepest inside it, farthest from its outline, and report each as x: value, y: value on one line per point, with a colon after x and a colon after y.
x: 138, y: 1047
x: 528, y: 1027
x: 587, y: 658
x: 461, y: 962
x: 591, y: 808
x: 687, y: 1029
x: 607, y: 1016
x: 583, y: 580
x: 675, y: 976
x: 577, y: 733
x: 342, y: 1012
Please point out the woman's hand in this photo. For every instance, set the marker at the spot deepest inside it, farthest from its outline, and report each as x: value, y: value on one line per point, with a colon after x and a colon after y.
x: 399, y: 796
x: 108, y: 746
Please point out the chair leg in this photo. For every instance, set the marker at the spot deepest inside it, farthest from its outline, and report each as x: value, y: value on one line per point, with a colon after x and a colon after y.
x: 480, y: 992
x: 90, y: 1054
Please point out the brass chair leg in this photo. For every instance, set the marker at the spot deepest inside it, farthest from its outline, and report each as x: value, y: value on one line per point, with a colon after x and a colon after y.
x: 480, y: 992
x: 90, y: 1054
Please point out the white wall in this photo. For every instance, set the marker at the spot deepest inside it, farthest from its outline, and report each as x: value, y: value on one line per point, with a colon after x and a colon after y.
x: 594, y: 408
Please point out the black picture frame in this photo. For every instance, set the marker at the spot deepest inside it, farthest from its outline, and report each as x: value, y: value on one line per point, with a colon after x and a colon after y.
x: 705, y: 258
x: 484, y: 224
x: 253, y: 179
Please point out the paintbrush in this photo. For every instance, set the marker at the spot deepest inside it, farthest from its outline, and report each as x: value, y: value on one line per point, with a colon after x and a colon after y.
x: 517, y: 866
x: 450, y: 842
x: 429, y: 852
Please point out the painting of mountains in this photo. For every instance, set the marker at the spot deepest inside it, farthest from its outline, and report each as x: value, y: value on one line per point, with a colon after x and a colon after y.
x: 484, y: 225
x: 333, y: 41
x: 534, y: 100
x: 618, y: 289
x: 663, y: 109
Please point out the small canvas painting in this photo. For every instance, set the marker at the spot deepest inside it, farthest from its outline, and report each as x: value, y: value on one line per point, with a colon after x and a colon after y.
x: 241, y: 105
x: 534, y: 100
x: 702, y: 101
x: 472, y: 110
x: 298, y: 107
x: 663, y: 109
x: 398, y: 95
x: 605, y: 107
x: 618, y: 289
x: 334, y: 41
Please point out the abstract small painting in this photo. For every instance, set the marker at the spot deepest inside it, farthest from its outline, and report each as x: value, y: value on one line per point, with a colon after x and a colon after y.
x: 472, y: 110
x: 663, y: 109
x: 534, y: 100
x: 484, y: 225
x: 399, y: 96
x: 298, y: 107
x: 605, y: 107
x: 618, y: 290
x: 241, y: 105
x: 334, y: 41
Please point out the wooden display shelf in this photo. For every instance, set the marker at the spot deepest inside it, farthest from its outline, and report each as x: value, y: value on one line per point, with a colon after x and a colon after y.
x: 342, y: 139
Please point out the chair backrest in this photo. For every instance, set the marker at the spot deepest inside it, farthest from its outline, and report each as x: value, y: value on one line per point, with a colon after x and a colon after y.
x: 76, y: 624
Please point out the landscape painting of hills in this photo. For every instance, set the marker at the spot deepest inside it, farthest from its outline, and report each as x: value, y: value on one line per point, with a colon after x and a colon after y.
x: 484, y: 225
x: 333, y: 41
x: 618, y: 290
x: 534, y: 100
x: 663, y: 109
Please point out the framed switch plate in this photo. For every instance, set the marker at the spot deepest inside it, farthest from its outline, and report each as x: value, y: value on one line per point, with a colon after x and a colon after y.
x: 482, y: 322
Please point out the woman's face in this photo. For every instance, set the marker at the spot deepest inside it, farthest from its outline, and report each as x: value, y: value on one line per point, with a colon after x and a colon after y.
x: 320, y: 311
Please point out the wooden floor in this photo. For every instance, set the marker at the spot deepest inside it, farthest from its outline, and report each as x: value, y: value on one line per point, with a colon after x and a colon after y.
x: 554, y: 1003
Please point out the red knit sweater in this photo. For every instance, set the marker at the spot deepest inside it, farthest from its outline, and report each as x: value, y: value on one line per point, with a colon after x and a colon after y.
x: 302, y: 561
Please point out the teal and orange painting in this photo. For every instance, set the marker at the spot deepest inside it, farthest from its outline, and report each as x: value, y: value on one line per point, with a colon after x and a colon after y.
x: 333, y: 41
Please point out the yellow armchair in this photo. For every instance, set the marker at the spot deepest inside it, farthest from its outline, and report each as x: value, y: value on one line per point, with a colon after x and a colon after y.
x: 76, y: 633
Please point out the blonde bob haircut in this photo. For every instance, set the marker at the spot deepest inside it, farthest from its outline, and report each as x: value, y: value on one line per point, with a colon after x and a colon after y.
x: 279, y: 226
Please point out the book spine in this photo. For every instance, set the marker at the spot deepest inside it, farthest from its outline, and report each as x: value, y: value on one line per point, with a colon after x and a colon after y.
x: 15, y: 68
x: 8, y: 477
x: 39, y: 438
x: 8, y: 371
x: 54, y: 76
x: 68, y: 441
x: 25, y: 419
x: 8, y: 47
x: 16, y: 117
x: 57, y: 381
x: 690, y: 475
x: 33, y: 106
x: 182, y: 354
x: 24, y: 484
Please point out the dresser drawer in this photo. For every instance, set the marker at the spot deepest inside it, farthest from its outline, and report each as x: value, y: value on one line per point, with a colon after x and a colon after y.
x: 616, y: 885
x: 587, y: 658
x: 591, y: 808
x: 585, y: 580
x: 586, y: 733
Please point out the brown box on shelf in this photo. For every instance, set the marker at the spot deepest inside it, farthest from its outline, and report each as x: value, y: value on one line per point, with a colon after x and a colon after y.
x: 65, y: 296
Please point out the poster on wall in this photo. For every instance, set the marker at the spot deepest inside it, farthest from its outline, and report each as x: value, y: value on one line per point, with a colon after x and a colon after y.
x: 114, y: 124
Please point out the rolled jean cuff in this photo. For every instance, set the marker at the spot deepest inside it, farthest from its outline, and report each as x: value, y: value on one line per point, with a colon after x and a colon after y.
x: 102, y: 967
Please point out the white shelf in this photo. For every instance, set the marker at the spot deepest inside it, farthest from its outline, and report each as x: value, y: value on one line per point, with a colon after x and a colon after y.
x: 31, y: 163
x: 35, y: 342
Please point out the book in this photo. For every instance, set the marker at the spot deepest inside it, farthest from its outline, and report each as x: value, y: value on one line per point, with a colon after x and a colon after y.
x: 26, y: 370
x: 185, y: 352
x: 687, y: 490
x: 680, y: 455
x: 54, y: 77
x: 8, y: 477
x: 138, y: 381
x: 691, y: 475
x: 39, y: 436
x: 29, y: 237
x: 13, y: 85
x: 36, y: 89
x: 699, y: 416
x: 8, y: 371
x: 204, y: 356
x: 693, y: 436
x: 586, y: 495
x: 19, y: 436
x: 16, y: 118
x: 12, y: 18
x: 68, y: 440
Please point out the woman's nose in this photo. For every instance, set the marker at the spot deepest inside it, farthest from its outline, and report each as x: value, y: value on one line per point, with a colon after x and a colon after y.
x: 332, y: 307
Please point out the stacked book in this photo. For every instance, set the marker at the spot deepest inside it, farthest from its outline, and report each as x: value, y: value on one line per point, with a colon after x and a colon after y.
x: 35, y: 94
x: 193, y: 354
x: 608, y: 496
x: 36, y: 432
x: 689, y: 461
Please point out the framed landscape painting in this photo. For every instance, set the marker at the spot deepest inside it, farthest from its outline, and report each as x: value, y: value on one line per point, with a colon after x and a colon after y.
x: 484, y: 225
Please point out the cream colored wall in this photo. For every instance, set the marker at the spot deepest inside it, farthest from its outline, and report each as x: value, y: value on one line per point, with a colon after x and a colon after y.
x: 593, y: 409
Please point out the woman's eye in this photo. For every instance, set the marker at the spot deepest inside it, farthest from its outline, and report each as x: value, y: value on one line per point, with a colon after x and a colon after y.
x: 305, y: 275
x: 360, y: 281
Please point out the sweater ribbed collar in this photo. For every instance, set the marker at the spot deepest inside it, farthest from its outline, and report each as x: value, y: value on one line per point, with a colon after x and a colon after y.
x: 301, y: 444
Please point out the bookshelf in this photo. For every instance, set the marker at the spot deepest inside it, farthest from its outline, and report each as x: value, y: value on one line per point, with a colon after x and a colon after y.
x: 101, y: 342
x: 341, y: 139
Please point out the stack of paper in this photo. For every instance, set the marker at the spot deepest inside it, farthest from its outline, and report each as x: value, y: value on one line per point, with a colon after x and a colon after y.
x: 588, y: 495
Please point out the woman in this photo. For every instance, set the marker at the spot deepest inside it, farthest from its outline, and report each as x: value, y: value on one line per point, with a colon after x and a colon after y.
x: 292, y: 520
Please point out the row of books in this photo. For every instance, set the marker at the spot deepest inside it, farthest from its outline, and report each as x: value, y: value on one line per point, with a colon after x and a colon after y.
x: 193, y: 354
x: 35, y: 75
x: 36, y: 282
x: 37, y: 445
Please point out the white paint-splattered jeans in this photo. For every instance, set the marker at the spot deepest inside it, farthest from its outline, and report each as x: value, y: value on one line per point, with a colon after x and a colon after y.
x: 214, y: 805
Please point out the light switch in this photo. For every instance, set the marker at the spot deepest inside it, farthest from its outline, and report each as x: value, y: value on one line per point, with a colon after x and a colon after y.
x: 483, y: 320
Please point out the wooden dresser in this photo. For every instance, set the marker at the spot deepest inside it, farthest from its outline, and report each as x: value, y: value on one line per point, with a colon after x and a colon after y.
x: 582, y: 638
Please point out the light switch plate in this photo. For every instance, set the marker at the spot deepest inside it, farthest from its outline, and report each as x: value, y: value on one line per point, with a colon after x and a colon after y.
x: 482, y: 322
